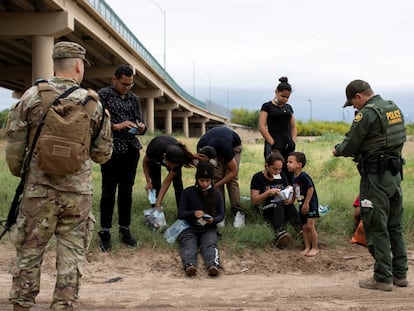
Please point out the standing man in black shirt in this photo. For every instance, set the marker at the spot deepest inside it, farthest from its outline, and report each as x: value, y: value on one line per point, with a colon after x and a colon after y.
x: 127, y: 121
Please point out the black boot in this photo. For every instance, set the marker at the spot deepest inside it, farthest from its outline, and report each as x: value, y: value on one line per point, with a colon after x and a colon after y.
x: 126, y: 238
x: 105, y: 243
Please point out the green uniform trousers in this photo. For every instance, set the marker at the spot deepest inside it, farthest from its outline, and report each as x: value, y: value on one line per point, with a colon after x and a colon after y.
x: 382, y: 215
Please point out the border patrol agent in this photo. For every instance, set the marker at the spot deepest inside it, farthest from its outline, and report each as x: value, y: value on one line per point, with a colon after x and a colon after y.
x: 53, y: 205
x: 375, y: 140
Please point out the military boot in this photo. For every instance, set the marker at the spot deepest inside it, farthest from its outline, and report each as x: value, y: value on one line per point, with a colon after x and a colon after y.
x: 17, y: 307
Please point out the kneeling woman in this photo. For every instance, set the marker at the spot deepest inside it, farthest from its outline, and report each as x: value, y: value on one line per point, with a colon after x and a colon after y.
x: 202, y: 207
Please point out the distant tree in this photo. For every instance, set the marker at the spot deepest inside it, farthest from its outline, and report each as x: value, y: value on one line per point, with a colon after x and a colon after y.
x: 245, y: 117
x: 3, y: 117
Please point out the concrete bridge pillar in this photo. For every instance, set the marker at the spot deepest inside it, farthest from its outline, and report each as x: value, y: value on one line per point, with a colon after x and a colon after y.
x: 168, y: 122
x: 42, y: 50
x: 203, y: 128
x: 186, y: 129
x: 149, y: 116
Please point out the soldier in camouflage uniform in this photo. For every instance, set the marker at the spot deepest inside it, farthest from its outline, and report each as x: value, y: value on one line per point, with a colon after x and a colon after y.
x: 375, y: 140
x: 58, y: 205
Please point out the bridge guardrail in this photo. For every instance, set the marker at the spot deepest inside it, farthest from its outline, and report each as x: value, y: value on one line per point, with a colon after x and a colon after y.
x: 110, y: 16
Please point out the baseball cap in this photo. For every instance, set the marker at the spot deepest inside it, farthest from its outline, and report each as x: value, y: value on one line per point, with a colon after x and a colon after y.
x: 356, y: 86
x: 208, y: 151
x: 66, y: 49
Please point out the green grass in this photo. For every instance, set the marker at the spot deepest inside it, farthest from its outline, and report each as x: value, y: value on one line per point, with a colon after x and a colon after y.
x: 336, y: 181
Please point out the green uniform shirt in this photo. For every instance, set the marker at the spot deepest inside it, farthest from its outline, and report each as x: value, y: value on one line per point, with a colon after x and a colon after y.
x: 367, y: 127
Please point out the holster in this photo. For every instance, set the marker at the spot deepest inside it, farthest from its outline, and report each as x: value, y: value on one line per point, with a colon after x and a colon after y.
x: 361, y: 167
x: 396, y: 166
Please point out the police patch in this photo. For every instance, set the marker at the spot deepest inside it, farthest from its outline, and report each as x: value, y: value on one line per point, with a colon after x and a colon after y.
x: 358, y: 117
x: 367, y: 203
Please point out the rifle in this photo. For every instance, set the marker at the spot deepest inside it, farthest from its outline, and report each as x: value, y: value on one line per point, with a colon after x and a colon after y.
x: 14, y: 208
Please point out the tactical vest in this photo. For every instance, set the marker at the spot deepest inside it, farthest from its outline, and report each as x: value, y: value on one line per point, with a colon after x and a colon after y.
x: 392, y: 126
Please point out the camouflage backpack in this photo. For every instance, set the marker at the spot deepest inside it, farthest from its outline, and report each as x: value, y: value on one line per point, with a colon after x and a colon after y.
x: 64, y: 140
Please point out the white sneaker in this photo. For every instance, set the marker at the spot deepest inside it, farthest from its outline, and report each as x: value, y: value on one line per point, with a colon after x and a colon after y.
x: 222, y: 223
x: 239, y: 220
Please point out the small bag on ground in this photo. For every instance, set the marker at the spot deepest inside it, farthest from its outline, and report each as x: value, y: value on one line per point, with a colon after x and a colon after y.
x: 155, y: 218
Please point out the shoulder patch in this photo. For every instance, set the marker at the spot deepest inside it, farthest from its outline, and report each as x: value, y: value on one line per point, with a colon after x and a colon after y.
x: 358, y: 117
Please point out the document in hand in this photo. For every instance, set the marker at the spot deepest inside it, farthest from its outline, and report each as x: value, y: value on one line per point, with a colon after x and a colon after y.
x: 285, y: 194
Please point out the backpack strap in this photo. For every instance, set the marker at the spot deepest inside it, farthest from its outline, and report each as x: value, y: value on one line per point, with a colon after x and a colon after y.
x: 47, y: 93
x: 90, y: 103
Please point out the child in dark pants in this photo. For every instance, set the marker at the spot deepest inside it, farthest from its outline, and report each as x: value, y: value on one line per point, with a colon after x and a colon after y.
x: 202, y: 207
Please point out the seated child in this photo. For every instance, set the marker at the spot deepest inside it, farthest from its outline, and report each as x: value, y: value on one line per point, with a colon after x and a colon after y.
x: 265, y: 188
x: 202, y: 207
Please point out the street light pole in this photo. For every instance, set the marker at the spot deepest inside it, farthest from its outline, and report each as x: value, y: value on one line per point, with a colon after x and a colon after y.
x: 227, y: 98
x: 310, y: 108
x: 165, y: 31
x: 209, y: 85
x: 192, y: 62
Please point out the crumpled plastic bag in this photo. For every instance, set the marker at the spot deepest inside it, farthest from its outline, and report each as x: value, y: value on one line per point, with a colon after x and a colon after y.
x: 155, y: 218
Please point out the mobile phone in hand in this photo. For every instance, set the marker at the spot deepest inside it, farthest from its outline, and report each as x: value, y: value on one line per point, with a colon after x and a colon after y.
x: 133, y: 131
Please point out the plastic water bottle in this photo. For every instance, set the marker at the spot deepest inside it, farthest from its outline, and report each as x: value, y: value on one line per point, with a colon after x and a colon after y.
x: 152, y: 196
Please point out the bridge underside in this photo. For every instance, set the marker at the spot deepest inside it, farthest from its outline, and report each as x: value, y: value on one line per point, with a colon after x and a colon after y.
x: 29, y: 29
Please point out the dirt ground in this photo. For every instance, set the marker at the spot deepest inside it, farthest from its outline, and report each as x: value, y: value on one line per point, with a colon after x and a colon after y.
x: 146, y: 279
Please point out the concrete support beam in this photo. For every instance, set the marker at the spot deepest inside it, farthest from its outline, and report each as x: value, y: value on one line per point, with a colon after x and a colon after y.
x: 186, y: 128
x: 182, y: 114
x: 17, y: 95
x: 42, y: 49
x: 199, y: 120
x: 166, y: 106
x: 168, y: 122
x: 149, y: 93
x: 99, y: 72
x: 16, y: 72
x: 175, y: 114
x: 55, y: 24
x: 149, y: 114
x: 203, y: 128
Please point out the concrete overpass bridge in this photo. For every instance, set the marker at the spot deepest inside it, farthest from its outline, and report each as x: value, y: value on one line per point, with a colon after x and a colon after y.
x: 29, y: 29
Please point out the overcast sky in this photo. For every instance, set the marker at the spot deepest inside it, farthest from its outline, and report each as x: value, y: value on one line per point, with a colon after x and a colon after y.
x: 242, y: 47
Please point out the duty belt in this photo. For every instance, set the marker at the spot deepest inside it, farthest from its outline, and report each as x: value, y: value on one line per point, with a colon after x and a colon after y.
x: 394, y: 165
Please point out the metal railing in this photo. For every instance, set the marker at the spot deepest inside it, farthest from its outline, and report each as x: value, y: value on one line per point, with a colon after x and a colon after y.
x: 110, y: 16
